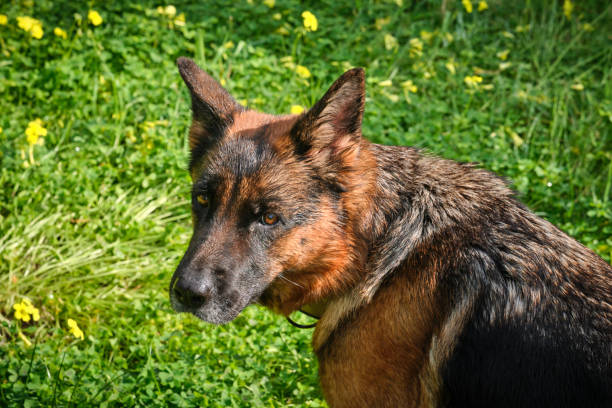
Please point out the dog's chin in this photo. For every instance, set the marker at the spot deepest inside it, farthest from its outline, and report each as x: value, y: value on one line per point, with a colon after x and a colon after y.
x: 217, y: 316
x: 211, y: 312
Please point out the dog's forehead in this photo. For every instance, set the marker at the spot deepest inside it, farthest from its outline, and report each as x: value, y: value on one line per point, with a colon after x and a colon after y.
x: 239, y: 158
x: 250, y: 142
x: 250, y: 169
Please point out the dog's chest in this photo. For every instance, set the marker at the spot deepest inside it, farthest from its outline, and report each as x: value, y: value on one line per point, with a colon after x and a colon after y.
x: 379, y: 358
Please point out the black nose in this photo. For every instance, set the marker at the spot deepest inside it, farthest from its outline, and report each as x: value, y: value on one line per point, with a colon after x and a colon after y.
x: 191, y: 294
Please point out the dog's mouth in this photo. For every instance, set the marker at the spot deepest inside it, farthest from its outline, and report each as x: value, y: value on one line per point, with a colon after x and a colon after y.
x: 210, y: 306
x: 217, y: 311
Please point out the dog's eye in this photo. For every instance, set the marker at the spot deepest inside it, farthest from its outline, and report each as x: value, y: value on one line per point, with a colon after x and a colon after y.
x: 202, y: 200
x: 269, y: 219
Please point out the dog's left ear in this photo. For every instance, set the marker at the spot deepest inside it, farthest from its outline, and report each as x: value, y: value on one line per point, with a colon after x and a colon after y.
x: 329, y: 133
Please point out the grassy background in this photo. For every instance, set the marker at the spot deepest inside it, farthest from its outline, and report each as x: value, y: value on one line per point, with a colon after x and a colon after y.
x: 95, y: 227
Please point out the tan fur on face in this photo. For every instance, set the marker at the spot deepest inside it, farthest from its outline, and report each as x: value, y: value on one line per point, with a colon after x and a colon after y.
x: 309, y: 264
x: 248, y: 120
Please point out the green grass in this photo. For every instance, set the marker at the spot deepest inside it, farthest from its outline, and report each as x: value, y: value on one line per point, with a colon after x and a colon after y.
x: 95, y: 227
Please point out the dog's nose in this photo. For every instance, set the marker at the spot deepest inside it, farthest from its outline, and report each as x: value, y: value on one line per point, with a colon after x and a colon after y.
x: 192, y: 294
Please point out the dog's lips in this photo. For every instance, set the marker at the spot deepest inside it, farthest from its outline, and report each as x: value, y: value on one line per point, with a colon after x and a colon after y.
x: 221, y: 308
x: 216, y: 311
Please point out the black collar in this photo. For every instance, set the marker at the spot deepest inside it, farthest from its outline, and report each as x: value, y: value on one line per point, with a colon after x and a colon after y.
x: 304, y: 326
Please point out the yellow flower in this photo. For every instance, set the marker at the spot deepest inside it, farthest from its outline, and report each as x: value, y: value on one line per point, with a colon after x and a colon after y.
x: 25, y: 23
x: 472, y: 81
x: 24, y: 309
x: 568, y: 7
x: 578, y: 87
x: 302, y: 71
x: 277, y: 16
x: 29, y: 308
x: 37, y: 32
x: 34, y: 131
x: 228, y: 45
x: 450, y: 65
x: 310, y: 21
x: 386, y: 82
x: 282, y: 31
x: 523, y: 28
x: 393, y: 98
x: 20, y: 312
x: 170, y: 10
x: 522, y: 95
x: 416, y: 47
x: 503, y: 55
x: 74, y: 329
x: 180, y: 20
x: 0, y: 130
x: 516, y: 139
x: 31, y: 25
x: 297, y: 109
x: 426, y: 35
x: 60, y: 33
x: 390, y: 42
x: 410, y: 86
x: 468, y: 5
x: 482, y: 6
x: 587, y: 27
x: 269, y: 3
x: 288, y: 62
x: 3, y: 19
x: 94, y: 17
x: 381, y: 22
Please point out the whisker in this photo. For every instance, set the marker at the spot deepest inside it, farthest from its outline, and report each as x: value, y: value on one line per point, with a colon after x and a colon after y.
x: 290, y: 281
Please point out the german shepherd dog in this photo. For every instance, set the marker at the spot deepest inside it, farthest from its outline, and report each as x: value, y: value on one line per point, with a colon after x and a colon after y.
x: 435, y: 286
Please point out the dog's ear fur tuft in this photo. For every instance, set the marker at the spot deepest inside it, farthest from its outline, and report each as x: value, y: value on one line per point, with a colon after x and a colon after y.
x: 330, y: 132
x: 212, y: 106
x: 336, y: 116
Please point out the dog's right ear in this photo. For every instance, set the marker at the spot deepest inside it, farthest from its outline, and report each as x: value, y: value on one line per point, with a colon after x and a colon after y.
x: 212, y: 106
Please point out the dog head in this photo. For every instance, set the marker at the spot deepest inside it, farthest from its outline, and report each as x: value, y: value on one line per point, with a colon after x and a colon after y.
x: 272, y: 200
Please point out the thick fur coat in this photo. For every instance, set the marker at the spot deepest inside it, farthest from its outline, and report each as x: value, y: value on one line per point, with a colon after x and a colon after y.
x: 437, y: 287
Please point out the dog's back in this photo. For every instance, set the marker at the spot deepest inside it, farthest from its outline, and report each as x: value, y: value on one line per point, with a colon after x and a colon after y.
x: 538, y: 331
x: 496, y: 306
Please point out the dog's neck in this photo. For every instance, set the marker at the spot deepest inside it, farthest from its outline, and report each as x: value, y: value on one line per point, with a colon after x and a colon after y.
x: 332, y: 311
x: 316, y: 309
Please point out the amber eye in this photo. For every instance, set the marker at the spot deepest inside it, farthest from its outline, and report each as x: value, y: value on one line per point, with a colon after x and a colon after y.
x: 202, y: 200
x: 269, y: 219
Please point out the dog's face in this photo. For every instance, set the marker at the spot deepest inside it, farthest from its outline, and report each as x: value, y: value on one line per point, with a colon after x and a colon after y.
x: 269, y: 219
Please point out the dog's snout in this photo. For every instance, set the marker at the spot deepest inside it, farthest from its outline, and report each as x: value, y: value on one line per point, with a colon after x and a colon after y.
x: 192, y: 294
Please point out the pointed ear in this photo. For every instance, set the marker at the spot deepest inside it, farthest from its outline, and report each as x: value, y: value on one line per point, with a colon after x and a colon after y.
x: 212, y: 106
x: 334, y: 122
